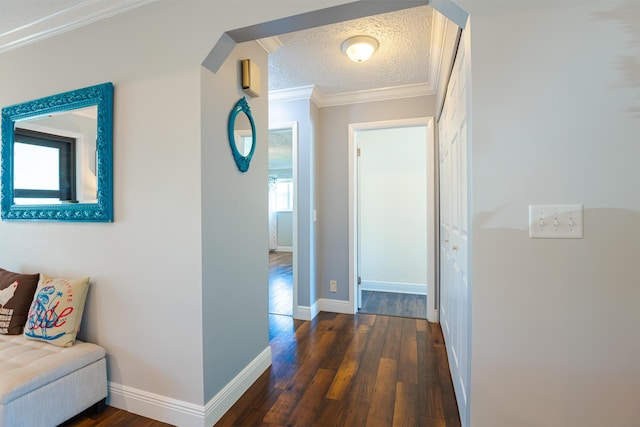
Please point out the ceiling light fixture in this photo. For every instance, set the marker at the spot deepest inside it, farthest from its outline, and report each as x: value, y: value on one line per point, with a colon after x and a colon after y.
x: 359, y: 48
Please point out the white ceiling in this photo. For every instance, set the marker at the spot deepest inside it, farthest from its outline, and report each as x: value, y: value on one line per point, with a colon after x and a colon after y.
x: 405, y: 58
x: 314, y: 56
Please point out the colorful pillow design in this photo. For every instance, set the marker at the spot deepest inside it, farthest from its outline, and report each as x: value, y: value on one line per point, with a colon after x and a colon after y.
x: 16, y: 294
x: 56, y: 310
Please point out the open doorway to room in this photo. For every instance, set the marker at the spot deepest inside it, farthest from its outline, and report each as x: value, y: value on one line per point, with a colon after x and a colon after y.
x: 393, y: 233
x: 282, y: 218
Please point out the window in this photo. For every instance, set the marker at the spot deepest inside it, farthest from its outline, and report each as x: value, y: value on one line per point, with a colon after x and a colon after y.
x: 44, y: 167
x: 284, y: 194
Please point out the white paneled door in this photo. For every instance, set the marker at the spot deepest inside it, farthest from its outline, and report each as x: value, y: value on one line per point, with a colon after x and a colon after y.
x: 455, y: 310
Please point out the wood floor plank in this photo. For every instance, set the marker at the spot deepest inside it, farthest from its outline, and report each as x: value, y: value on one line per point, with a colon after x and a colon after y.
x: 392, y: 340
x: 281, y: 410
x: 408, y: 366
x: 306, y: 409
x: 382, y: 401
x: 405, y: 412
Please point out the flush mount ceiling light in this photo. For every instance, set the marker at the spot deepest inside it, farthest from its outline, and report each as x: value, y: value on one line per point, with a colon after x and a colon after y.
x: 359, y: 48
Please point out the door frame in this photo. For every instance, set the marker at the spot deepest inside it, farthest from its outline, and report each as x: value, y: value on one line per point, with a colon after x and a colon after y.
x: 432, y: 236
x: 293, y: 125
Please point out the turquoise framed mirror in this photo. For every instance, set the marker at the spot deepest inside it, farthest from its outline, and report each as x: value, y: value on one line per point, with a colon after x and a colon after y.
x: 242, y: 134
x: 57, y: 156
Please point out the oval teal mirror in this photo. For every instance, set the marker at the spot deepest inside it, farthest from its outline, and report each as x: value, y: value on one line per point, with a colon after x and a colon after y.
x: 242, y: 134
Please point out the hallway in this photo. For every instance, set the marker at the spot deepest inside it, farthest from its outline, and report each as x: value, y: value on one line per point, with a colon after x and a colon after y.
x: 351, y: 370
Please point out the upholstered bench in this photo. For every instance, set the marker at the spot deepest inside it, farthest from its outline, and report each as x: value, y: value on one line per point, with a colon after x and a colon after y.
x: 44, y: 385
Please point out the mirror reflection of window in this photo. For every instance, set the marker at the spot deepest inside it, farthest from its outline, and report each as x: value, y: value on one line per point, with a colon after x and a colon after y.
x: 36, y: 167
x: 247, y: 141
x: 44, y: 168
x: 244, y: 141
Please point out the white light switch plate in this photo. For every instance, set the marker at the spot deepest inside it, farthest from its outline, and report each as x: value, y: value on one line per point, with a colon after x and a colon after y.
x: 555, y: 221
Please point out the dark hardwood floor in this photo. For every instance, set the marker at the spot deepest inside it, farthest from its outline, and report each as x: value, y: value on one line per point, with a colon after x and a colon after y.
x: 338, y: 370
x: 281, y: 283
x: 394, y: 304
x: 351, y: 370
x: 112, y: 417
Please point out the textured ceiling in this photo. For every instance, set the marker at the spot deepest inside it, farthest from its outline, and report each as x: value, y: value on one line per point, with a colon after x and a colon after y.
x: 314, y: 56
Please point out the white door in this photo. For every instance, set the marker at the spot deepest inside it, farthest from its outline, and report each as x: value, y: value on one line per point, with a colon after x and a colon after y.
x: 454, y: 289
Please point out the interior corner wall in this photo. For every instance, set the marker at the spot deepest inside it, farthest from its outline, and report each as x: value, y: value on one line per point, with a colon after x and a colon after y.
x: 556, y: 335
x: 235, y: 245
x: 300, y: 111
x: 145, y: 266
x: 332, y: 175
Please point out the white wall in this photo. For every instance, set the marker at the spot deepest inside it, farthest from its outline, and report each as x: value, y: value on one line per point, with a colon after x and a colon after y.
x: 392, y: 203
x: 145, y: 267
x: 555, y: 323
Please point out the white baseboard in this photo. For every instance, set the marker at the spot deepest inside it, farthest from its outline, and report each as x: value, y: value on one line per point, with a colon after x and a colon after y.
x: 155, y: 406
x: 306, y: 313
x: 221, y: 402
x: 401, y: 288
x: 335, y: 306
x: 323, y: 304
x: 185, y: 414
x: 284, y: 249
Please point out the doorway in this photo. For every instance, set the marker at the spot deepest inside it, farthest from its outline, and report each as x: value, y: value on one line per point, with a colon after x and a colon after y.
x: 392, y: 217
x: 392, y: 221
x: 283, y: 141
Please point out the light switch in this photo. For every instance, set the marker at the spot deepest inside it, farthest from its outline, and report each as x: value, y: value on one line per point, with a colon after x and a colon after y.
x: 555, y: 221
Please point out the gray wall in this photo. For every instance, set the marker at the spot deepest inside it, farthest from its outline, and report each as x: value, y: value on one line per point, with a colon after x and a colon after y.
x: 333, y: 194
x: 284, y: 221
x: 555, y: 323
x: 234, y: 228
x: 300, y: 111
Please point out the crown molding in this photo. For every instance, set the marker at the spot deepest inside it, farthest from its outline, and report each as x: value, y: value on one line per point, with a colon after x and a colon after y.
x: 346, y: 98
x: 270, y: 44
x: 293, y: 94
x: 438, y: 31
x: 384, y: 94
x: 65, y: 20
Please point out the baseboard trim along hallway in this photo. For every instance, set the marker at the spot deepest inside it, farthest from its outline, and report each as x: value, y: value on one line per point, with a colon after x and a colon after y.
x: 185, y: 414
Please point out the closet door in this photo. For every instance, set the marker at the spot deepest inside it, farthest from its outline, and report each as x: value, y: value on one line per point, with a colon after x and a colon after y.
x: 455, y: 299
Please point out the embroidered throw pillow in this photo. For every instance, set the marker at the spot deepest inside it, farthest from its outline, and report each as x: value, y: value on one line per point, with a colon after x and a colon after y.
x: 56, y: 310
x: 16, y: 294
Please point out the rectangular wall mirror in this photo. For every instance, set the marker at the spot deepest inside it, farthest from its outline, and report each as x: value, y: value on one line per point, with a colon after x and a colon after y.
x: 57, y: 157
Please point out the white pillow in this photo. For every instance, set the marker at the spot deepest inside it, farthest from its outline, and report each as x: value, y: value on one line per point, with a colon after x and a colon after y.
x: 56, y: 310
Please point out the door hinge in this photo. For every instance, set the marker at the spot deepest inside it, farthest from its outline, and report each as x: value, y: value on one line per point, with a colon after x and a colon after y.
x: 358, y: 152
x: 359, y: 280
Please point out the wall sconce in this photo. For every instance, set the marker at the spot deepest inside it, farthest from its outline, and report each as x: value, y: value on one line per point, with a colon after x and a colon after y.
x: 359, y: 48
x: 250, y: 78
